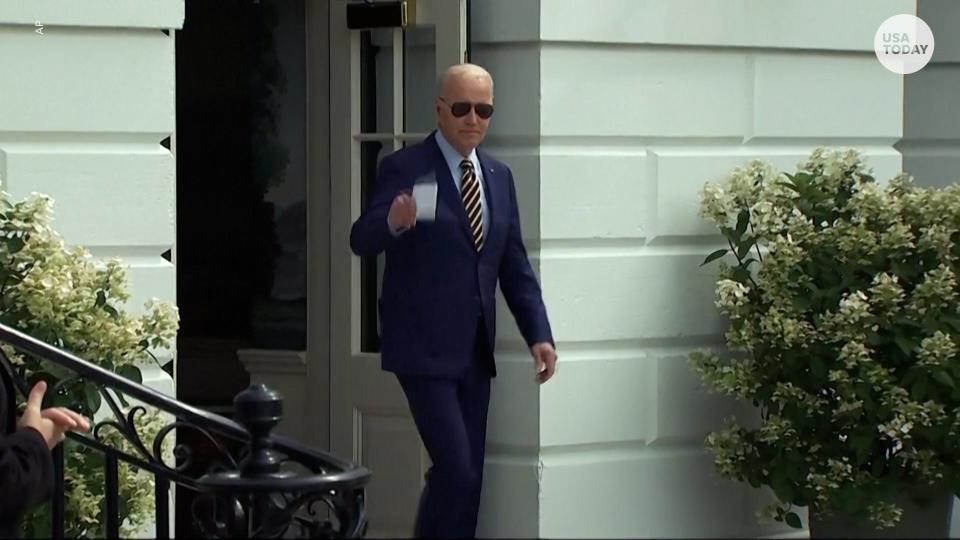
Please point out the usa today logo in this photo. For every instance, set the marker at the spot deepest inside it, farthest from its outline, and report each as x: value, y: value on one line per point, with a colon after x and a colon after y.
x: 904, y: 44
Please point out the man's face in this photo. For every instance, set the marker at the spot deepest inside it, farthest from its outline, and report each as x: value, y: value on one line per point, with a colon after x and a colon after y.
x: 466, y: 132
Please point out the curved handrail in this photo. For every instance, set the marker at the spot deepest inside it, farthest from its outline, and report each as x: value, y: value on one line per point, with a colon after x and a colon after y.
x: 41, y: 349
x: 332, y: 479
x: 216, y: 422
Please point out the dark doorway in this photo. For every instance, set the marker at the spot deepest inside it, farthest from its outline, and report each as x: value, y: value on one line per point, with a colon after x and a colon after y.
x: 241, y: 196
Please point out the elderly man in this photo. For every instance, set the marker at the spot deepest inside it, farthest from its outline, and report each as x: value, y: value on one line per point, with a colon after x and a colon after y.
x: 438, y: 306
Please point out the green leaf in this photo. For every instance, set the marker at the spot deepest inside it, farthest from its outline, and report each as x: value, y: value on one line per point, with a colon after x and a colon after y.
x: 731, y: 235
x: 124, y: 506
x: 741, y: 274
x: 936, y: 433
x: 905, y: 344
x: 91, y: 398
x: 789, y: 185
x: 953, y: 321
x: 944, y: 378
x: 910, y: 376
x: 802, y: 303
x: 131, y: 372
x: 781, y: 486
x: 817, y: 367
x: 802, y: 181
x: 919, y: 389
x: 58, y: 400
x: 743, y: 248
x: 846, y: 276
x: 14, y: 244
x: 861, y: 443
x: 714, y: 256
x: 743, y: 219
x: 793, y: 520
x: 874, y: 338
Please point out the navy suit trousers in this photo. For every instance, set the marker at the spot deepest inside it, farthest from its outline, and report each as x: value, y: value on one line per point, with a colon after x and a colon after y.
x: 451, y: 416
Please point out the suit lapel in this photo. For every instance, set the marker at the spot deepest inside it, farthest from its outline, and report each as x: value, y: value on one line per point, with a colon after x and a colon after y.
x: 490, y: 188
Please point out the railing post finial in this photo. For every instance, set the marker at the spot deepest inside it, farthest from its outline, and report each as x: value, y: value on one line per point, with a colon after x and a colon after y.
x: 259, y: 409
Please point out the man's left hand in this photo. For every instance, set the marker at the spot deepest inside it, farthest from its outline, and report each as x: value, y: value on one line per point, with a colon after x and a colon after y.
x: 545, y: 361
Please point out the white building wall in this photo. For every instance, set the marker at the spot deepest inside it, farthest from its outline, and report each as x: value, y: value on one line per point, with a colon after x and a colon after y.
x: 931, y: 116
x: 84, y: 107
x: 613, y: 114
x: 931, y: 142
x: 505, y: 39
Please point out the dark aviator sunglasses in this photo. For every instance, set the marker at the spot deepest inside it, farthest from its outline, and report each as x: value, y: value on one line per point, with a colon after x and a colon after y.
x: 459, y: 109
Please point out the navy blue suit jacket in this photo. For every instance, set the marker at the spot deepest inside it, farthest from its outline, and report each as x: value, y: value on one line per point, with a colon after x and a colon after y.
x: 435, y: 284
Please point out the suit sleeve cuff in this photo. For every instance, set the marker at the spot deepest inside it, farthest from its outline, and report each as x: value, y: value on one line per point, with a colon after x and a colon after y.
x: 31, y: 434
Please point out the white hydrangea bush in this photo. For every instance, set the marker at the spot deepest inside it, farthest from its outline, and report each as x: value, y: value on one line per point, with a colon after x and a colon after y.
x: 59, y: 295
x: 842, y: 301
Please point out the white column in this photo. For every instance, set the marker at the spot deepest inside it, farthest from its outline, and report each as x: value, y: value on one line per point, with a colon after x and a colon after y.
x: 506, y: 41
x: 88, y: 95
x: 931, y: 139
x: 931, y: 116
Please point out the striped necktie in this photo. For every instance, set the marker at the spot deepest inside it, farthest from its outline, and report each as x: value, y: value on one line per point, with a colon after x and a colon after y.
x: 470, y: 192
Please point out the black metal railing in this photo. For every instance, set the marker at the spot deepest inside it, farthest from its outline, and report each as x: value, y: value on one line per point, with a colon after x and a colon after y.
x: 259, y: 485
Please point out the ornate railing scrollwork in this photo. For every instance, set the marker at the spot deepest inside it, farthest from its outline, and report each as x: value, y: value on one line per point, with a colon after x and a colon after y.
x: 254, y: 487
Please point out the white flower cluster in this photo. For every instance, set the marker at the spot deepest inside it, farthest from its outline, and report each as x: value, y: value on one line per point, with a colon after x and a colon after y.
x: 788, y: 394
x: 937, y: 350
x: 849, y: 324
x: 731, y: 296
x: 908, y: 415
x: 776, y: 428
x: 885, y: 514
x: 59, y: 295
x: 734, y: 379
x: 937, y: 291
x: 848, y: 412
x: 730, y: 448
x: 829, y: 478
x: 62, y: 289
x: 886, y: 294
x: 924, y: 464
x: 854, y: 354
x: 936, y: 238
x: 783, y: 329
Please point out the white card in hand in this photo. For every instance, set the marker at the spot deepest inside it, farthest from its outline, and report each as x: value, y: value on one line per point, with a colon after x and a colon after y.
x: 425, y: 194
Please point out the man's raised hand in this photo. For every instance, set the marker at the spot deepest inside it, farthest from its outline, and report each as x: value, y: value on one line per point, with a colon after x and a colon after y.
x: 403, y: 213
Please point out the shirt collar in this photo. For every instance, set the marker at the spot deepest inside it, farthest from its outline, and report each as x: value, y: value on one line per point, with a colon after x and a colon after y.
x: 454, y: 157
